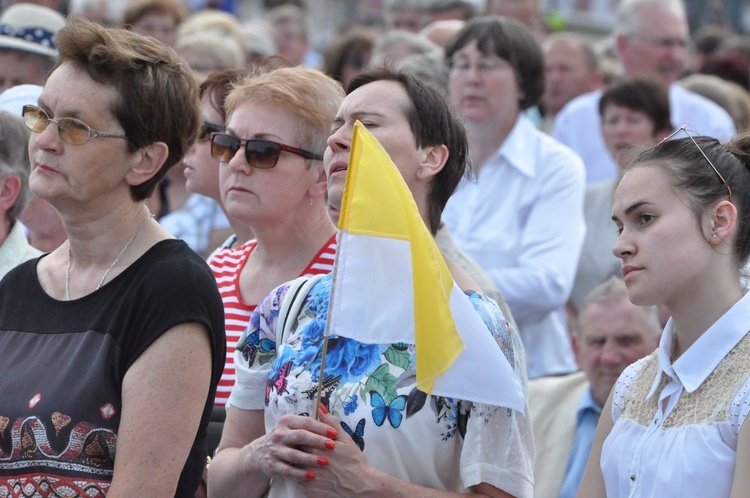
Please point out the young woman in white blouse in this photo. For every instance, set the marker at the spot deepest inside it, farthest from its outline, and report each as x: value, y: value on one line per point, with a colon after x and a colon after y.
x: 682, y: 210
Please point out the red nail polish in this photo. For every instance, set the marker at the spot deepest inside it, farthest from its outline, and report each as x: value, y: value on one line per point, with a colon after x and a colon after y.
x: 310, y: 475
x: 332, y: 433
x: 323, y: 409
x: 322, y: 461
x: 330, y: 444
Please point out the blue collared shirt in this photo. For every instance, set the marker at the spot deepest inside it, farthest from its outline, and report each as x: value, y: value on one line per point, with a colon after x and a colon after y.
x: 588, y: 416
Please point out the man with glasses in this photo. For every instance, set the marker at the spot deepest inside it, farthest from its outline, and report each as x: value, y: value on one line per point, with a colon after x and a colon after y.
x: 652, y: 41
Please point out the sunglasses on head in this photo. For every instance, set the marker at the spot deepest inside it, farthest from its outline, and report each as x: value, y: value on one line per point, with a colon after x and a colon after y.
x: 684, y: 128
x: 72, y: 131
x: 207, y: 129
x: 261, y: 154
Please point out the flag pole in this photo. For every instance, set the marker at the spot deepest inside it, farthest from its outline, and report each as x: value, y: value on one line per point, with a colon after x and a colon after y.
x: 326, y: 333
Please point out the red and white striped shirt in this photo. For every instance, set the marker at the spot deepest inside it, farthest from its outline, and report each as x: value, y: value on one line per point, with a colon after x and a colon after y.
x: 226, y: 265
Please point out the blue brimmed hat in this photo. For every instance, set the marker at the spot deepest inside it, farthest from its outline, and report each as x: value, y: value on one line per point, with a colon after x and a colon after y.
x: 30, y: 28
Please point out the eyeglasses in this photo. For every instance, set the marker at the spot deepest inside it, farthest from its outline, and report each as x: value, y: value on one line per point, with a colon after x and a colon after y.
x: 684, y: 128
x: 207, y: 129
x: 261, y: 154
x: 665, y: 43
x: 72, y: 131
x: 484, y: 65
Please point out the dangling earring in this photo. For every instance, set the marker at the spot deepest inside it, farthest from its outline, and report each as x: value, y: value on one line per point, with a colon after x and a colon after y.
x: 311, y: 203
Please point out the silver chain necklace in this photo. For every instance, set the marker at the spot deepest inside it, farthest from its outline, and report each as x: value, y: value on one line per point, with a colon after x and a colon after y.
x: 104, y: 277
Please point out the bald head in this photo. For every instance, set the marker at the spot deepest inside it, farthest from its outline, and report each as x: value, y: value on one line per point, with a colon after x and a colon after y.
x: 439, y: 32
x: 570, y: 68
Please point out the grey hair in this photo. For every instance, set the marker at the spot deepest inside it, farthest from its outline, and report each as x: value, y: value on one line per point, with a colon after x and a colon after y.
x: 14, y: 159
x: 613, y: 290
x: 627, y: 18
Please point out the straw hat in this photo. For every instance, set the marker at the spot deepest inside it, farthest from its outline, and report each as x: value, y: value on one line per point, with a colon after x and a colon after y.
x: 30, y: 28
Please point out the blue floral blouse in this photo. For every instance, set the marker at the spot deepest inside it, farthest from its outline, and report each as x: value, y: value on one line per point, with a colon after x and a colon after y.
x: 437, y: 442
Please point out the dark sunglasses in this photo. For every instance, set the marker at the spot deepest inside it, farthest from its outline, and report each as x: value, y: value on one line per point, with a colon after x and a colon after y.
x: 72, y: 131
x: 204, y: 135
x: 261, y: 154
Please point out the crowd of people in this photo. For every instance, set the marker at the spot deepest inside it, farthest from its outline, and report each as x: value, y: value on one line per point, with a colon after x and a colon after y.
x: 171, y: 180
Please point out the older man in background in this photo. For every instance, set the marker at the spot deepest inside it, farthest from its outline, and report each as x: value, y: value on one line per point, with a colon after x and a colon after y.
x: 14, y: 192
x: 41, y: 222
x: 652, y: 40
x: 570, y: 69
x: 612, y: 334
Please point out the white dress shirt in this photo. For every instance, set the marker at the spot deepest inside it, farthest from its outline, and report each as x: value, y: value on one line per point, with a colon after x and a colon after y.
x: 579, y: 126
x: 522, y: 221
x: 677, y: 424
x: 15, y: 249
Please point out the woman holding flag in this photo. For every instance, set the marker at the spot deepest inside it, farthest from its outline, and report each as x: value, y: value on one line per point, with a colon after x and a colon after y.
x: 377, y: 433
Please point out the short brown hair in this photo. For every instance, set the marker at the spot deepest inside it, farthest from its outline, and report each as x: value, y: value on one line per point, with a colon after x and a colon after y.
x: 158, y: 95
x: 138, y: 9
x: 307, y: 93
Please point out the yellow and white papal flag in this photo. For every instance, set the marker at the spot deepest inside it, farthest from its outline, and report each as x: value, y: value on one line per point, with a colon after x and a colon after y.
x: 391, y: 284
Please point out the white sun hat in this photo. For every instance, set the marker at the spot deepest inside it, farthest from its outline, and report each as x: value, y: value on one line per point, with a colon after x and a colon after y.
x: 30, y: 28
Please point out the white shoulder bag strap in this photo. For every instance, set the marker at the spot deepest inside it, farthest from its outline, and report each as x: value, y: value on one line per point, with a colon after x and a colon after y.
x: 295, y: 296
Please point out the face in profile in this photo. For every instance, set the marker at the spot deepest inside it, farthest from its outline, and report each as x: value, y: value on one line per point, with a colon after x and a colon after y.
x: 380, y: 107
x: 663, y: 251
x: 200, y: 169
x: 64, y: 169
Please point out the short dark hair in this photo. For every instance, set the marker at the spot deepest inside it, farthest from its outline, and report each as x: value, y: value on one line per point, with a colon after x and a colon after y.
x: 355, y: 46
x: 645, y: 95
x: 692, y: 175
x: 468, y: 9
x: 513, y: 42
x: 158, y: 94
x: 433, y: 122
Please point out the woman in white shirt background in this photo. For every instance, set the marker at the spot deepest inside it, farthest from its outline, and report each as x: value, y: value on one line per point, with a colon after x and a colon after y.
x: 522, y: 220
x: 676, y: 424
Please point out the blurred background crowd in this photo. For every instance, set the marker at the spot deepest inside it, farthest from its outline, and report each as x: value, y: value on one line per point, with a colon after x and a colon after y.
x: 590, y: 81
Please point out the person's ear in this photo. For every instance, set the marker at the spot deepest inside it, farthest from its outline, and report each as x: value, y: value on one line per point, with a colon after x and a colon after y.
x: 574, y: 342
x: 10, y: 187
x: 622, y: 43
x: 320, y: 187
x: 148, y: 162
x: 433, y: 160
x: 723, y: 222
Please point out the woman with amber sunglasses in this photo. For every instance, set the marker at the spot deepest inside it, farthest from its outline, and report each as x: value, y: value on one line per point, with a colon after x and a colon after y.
x: 113, y: 343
